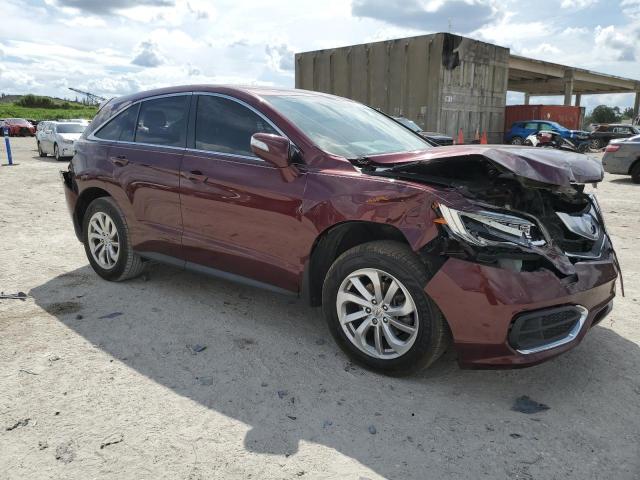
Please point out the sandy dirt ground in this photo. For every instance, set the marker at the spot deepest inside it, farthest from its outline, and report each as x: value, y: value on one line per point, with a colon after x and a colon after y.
x: 98, y: 380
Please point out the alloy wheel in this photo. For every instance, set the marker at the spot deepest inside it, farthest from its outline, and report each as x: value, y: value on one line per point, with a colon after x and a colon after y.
x: 104, y: 242
x: 377, y: 313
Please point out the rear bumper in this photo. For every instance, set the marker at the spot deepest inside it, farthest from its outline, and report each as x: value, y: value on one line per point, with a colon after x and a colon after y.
x: 481, y: 302
x: 616, y: 164
x: 71, y: 197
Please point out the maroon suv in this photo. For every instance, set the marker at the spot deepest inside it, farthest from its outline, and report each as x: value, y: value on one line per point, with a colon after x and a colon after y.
x: 405, y: 246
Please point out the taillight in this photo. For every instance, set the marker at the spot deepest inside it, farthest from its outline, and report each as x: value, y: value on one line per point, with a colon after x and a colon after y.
x: 612, y: 148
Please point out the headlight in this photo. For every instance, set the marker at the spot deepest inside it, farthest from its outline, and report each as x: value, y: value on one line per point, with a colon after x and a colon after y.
x: 486, y: 228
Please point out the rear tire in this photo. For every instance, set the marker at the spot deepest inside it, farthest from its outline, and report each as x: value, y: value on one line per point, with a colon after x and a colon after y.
x: 424, y: 334
x: 596, y: 144
x: 517, y: 140
x: 128, y: 264
x: 635, y: 172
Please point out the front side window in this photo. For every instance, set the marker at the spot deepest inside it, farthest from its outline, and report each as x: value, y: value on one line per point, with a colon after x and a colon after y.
x: 163, y: 121
x: 121, y: 127
x: 346, y: 128
x: 226, y: 126
x: 531, y: 126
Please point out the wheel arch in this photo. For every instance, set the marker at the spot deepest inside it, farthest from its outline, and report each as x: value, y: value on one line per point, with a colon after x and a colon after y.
x: 84, y: 200
x: 332, y: 243
x: 633, y: 165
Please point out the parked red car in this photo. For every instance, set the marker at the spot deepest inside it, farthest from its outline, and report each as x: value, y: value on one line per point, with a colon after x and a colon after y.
x: 405, y: 246
x: 19, y: 127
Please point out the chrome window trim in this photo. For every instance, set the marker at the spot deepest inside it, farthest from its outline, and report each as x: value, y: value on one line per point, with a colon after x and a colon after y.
x: 226, y: 154
x: 571, y: 336
x: 92, y: 136
x: 253, y: 158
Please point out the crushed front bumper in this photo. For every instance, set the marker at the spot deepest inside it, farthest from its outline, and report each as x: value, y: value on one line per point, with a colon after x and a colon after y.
x: 481, y: 302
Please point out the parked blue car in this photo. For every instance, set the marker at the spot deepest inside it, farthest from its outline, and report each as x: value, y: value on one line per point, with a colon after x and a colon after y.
x: 521, y: 130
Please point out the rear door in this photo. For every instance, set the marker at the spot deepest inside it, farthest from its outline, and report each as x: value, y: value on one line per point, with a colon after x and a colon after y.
x: 240, y: 216
x: 147, y: 143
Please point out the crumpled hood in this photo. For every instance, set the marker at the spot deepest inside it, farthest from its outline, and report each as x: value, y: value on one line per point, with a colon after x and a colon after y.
x: 544, y: 165
x: 70, y: 136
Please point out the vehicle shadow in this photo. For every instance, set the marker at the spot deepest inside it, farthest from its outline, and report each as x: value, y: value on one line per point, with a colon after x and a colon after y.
x: 271, y: 363
x: 625, y: 181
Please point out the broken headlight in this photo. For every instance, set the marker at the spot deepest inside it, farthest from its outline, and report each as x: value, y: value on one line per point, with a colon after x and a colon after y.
x: 485, y: 228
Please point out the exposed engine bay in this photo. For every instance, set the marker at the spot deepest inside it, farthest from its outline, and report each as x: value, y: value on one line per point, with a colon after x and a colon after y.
x: 510, y: 220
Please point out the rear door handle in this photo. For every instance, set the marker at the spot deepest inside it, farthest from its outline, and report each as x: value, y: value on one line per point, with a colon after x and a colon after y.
x: 196, y: 176
x: 119, y: 160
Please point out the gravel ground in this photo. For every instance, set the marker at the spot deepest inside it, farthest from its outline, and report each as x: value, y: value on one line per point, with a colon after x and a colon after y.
x: 98, y: 379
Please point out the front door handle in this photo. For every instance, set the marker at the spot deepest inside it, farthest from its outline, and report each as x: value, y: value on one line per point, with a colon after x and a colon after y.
x: 119, y: 160
x: 196, y: 176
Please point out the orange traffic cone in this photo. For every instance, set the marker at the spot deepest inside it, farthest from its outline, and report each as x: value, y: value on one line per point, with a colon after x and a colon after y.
x: 483, y: 140
x: 460, y: 137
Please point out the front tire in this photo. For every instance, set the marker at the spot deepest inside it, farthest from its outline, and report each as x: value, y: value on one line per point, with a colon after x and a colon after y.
x: 107, y: 242
x: 377, y: 311
x: 56, y: 152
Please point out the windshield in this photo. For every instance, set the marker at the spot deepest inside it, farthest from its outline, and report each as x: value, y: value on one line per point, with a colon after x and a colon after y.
x: 70, y: 128
x: 635, y: 138
x: 342, y: 127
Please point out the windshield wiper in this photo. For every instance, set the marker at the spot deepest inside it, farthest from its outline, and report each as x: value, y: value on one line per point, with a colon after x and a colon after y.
x: 360, y: 161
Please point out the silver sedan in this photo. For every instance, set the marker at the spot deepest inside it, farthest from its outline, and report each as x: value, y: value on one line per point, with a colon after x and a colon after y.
x: 623, y: 157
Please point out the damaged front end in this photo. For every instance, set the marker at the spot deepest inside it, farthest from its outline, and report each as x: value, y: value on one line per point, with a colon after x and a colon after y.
x: 524, y: 262
x: 511, y: 210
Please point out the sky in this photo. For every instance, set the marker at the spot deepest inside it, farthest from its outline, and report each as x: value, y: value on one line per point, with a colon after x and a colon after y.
x: 116, y: 47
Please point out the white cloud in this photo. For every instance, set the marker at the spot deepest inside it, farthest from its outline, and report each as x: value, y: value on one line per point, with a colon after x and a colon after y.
x: 577, y: 4
x: 280, y: 57
x: 148, y: 55
x: 611, y: 41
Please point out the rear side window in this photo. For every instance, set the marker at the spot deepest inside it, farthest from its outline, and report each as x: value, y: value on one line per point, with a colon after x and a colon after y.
x: 163, y: 121
x: 121, y: 127
x: 226, y: 126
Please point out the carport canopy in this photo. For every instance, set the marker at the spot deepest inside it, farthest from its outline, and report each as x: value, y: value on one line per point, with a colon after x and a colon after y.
x: 536, y: 77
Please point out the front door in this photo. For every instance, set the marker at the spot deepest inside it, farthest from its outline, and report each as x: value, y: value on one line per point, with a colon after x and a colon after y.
x: 239, y: 214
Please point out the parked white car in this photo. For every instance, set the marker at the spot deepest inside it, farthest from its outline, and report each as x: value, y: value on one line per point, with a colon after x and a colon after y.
x: 57, y: 139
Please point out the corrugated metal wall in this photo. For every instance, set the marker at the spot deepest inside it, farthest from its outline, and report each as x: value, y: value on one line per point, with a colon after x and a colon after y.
x: 418, y: 78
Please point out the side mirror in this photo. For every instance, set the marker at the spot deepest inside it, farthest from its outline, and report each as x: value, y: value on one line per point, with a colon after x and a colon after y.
x: 271, y: 148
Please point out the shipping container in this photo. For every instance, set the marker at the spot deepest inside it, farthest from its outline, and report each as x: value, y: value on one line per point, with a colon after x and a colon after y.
x: 443, y: 82
x: 567, y: 116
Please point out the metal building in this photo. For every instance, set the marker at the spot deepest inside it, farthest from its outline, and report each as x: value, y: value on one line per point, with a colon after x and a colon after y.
x: 445, y: 82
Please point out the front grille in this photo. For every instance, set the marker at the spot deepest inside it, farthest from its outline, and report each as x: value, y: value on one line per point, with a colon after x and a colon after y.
x: 544, y: 328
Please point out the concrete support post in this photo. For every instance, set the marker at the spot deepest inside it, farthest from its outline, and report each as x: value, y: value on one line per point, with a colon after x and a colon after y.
x: 636, y: 106
x: 578, y: 98
x: 527, y: 98
x: 568, y: 87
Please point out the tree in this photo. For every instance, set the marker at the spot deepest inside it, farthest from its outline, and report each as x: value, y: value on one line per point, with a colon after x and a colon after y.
x: 627, y: 113
x: 604, y: 114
